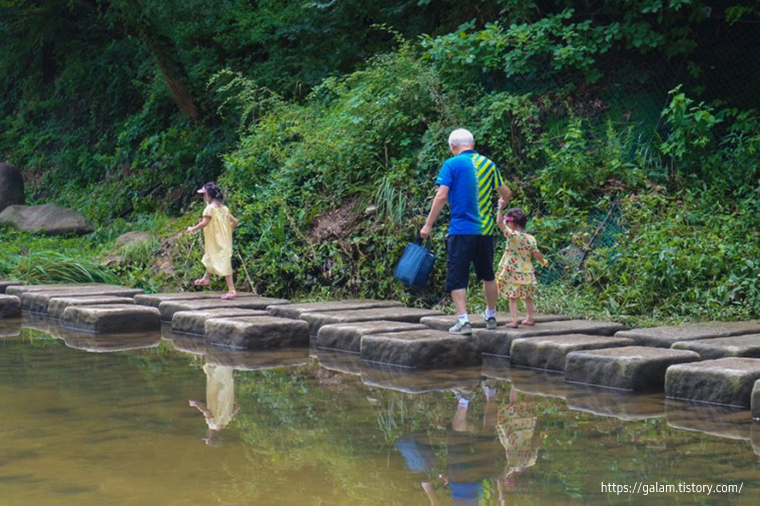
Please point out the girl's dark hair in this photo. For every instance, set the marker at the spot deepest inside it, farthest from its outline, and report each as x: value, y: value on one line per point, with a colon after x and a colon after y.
x: 518, y: 216
x: 213, y: 191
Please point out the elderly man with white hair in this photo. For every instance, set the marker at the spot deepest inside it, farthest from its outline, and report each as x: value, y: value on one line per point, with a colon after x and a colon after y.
x: 468, y: 181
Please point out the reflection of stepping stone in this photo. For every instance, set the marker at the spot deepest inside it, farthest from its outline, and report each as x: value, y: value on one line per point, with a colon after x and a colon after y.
x: 549, y: 352
x: 10, y: 306
x: 620, y: 405
x: 496, y: 367
x: 635, y: 368
x: 346, y: 363
x: 723, y: 347
x: 541, y: 383
x: 38, y: 302
x: 499, y: 341
x: 194, y: 322
x: 114, y: 319
x: 296, y: 310
x: 396, y: 314
x: 154, y: 299
x: 665, y: 337
x: 256, y: 360
x: 58, y: 305
x: 414, y: 381
x: 755, y: 403
x: 726, y: 381
x: 168, y: 308
x: 445, y: 322
x: 4, y: 284
x: 421, y: 349
x: 720, y: 421
x: 98, y: 343
x: 257, y: 332
x: 348, y: 336
x: 10, y: 327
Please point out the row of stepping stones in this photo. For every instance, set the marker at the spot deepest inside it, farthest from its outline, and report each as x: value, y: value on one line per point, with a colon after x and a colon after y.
x: 711, y: 362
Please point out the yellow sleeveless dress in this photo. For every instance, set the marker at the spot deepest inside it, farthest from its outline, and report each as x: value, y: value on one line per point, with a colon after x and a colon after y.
x: 218, y: 241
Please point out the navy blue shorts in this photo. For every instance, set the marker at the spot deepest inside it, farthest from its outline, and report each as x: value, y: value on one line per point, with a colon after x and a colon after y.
x: 461, y: 251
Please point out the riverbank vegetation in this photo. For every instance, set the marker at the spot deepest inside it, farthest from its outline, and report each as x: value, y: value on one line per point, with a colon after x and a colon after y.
x: 628, y: 131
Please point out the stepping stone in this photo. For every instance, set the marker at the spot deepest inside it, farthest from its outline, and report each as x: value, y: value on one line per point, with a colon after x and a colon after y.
x: 398, y: 314
x: 421, y: 349
x: 168, y: 308
x: 550, y: 352
x: 415, y: 381
x: 10, y: 306
x: 665, y: 337
x: 725, y: 381
x: 723, y: 347
x: 348, y: 336
x: 155, y: 299
x: 621, y: 405
x: 113, y: 319
x: 499, y: 341
x: 633, y: 368
x: 755, y: 403
x: 720, y: 421
x: 5, y: 284
x: 194, y: 322
x: 445, y: 322
x: 256, y: 360
x: 58, y: 305
x: 257, y: 332
x: 38, y: 302
x: 17, y: 290
x: 296, y: 310
x: 338, y: 361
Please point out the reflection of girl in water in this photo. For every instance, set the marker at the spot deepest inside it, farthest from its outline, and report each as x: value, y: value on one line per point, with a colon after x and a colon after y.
x: 516, y: 425
x: 220, y: 400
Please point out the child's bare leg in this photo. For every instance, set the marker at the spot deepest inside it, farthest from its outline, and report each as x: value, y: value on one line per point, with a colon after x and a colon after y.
x: 529, y: 309
x: 230, y: 288
x: 512, y: 313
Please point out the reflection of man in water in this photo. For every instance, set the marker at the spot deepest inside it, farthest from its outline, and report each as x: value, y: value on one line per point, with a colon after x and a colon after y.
x: 220, y: 400
x: 473, y: 454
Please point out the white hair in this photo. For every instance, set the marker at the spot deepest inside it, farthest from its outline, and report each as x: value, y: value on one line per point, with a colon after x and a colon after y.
x: 461, y: 137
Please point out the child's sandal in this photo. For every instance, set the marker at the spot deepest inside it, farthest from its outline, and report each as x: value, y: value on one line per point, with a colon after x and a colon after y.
x: 529, y: 323
x: 512, y: 325
x: 229, y: 295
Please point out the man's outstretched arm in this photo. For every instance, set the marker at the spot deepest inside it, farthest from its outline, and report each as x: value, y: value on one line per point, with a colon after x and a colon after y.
x: 440, y: 199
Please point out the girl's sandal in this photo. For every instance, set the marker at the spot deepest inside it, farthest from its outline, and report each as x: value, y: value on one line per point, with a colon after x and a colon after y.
x: 202, y: 282
x: 529, y: 323
x: 229, y: 295
x: 512, y: 325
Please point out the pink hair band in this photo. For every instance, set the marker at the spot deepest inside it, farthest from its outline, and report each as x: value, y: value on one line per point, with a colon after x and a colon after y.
x: 509, y: 218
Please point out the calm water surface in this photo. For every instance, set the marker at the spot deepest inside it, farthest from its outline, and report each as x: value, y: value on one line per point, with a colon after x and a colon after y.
x: 162, y: 419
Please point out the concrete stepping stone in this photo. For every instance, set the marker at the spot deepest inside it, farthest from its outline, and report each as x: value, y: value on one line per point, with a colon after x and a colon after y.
x: 338, y: 361
x: 399, y: 314
x: 10, y: 306
x: 348, y: 336
x: 5, y: 284
x: 550, y: 352
x: 296, y: 310
x: 725, y: 381
x: 665, y: 337
x: 755, y: 402
x: 621, y: 405
x: 168, y: 308
x: 723, y: 347
x: 38, y: 302
x: 720, y: 421
x: 112, y: 319
x: 257, y: 360
x: 257, y: 332
x: 445, y: 322
x: 633, y: 368
x: 416, y: 381
x: 17, y: 290
x: 194, y: 322
x: 155, y: 299
x: 58, y: 305
x: 499, y: 341
x: 421, y: 349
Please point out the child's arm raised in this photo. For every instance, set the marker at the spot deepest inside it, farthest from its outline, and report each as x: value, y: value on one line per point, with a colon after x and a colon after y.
x: 201, y: 224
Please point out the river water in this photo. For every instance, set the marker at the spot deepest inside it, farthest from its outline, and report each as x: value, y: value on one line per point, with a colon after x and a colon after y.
x: 163, y: 419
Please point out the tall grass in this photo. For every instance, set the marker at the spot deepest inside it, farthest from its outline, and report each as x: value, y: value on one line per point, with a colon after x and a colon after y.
x: 55, y: 267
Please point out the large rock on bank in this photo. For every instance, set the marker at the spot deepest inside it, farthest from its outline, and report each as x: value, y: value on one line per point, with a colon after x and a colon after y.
x: 49, y: 219
x: 11, y: 186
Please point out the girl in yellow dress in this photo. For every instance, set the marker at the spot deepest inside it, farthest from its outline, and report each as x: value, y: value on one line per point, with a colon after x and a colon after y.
x: 217, y: 224
x: 516, y: 276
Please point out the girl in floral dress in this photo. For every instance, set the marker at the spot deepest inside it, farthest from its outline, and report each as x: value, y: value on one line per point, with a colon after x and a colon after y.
x: 516, y: 276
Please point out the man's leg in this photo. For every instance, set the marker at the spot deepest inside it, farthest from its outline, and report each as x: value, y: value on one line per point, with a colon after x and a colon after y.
x: 491, y: 288
x: 460, y: 300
